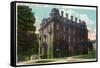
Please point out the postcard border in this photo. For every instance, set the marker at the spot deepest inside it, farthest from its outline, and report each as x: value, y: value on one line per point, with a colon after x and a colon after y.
x: 13, y: 32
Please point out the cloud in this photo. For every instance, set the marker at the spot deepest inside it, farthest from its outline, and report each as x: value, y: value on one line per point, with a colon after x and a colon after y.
x: 90, y: 23
x: 70, y: 13
x: 92, y: 35
x: 84, y: 17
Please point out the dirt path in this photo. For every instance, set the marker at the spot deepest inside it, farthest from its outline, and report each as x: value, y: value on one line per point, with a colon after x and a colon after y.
x: 61, y: 60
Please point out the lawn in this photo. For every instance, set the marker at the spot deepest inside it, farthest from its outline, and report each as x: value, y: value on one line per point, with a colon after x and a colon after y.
x: 90, y: 55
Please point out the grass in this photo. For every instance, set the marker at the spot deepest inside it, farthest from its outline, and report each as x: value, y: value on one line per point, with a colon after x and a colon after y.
x: 90, y: 55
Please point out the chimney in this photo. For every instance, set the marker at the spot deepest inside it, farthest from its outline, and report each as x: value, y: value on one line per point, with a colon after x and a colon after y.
x: 79, y: 20
x: 76, y: 19
x: 71, y: 18
x: 67, y: 15
x: 62, y: 13
x: 83, y: 22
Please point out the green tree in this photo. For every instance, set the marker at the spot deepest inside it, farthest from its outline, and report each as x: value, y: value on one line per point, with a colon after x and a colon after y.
x: 26, y: 37
x: 90, y: 45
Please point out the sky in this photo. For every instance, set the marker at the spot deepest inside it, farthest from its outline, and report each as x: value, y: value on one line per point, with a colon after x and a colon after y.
x: 88, y: 14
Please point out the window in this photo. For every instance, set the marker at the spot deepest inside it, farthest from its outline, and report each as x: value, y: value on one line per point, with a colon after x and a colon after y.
x: 69, y: 31
x: 64, y: 37
x: 74, y: 40
x: 69, y: 39
x: 57, y: 26
x: 57, y: 36
x: 69, y: 46
x: 64, y: 29
x: 74, y: 32
x: 77, y: 39
x: 49, y: 29
x: 81, y: 40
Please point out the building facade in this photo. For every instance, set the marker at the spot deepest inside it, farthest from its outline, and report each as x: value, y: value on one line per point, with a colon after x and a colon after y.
x: 61, y: 36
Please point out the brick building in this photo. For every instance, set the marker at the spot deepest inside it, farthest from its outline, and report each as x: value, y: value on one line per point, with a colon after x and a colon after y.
x: 61, y: 36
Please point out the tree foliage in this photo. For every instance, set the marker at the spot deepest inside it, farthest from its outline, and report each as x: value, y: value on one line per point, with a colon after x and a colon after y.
x: 26, y: 37
x: 90, y: 45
